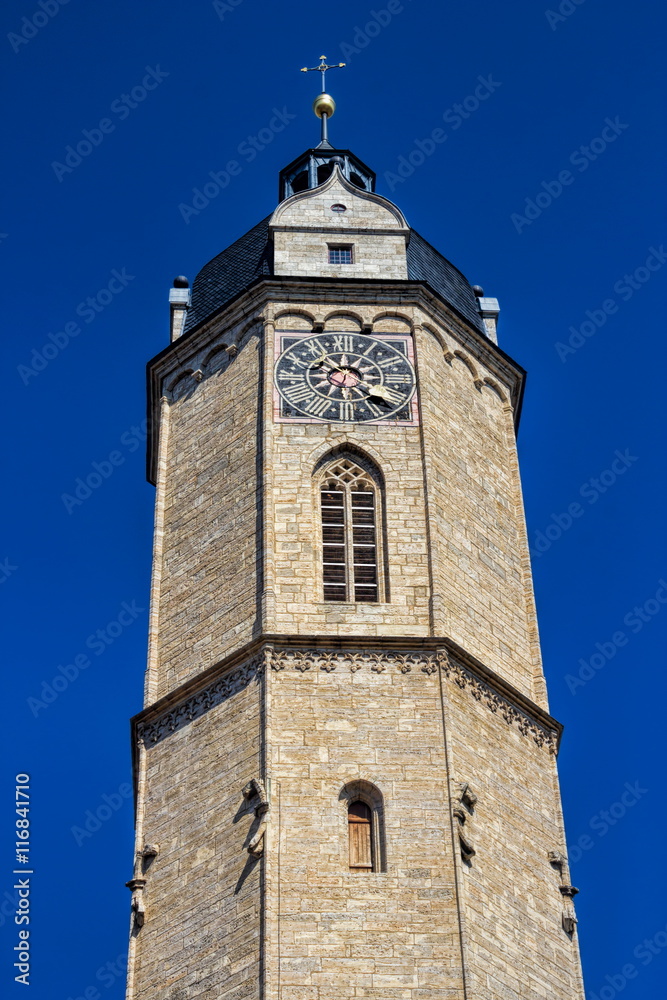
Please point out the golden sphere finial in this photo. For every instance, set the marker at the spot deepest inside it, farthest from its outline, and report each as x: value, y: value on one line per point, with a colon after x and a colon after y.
x: 324, y: 104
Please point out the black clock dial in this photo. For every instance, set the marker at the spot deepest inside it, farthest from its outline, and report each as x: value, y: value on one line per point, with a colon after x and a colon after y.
x: 345, y: 377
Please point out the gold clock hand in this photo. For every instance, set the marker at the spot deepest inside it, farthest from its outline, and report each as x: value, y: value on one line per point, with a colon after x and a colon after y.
x: 376, y: 390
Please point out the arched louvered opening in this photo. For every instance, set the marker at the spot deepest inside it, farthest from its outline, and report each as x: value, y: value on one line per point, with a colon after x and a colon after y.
x: 350, y: 507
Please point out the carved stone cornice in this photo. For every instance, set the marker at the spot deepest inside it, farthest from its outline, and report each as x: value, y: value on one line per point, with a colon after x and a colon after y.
x: 200, y: 703
x: 346, y: 655
x: 352, y: 660
x: 514, y: 714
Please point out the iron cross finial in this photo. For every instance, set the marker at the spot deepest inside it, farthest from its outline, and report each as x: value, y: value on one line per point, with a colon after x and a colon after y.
x: 323, y: 67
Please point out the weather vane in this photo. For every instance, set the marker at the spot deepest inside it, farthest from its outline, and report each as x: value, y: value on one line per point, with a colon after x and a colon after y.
x: 323, y: 105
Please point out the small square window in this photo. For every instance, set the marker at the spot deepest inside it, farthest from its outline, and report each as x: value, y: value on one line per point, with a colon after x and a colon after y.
x: 340, y: 254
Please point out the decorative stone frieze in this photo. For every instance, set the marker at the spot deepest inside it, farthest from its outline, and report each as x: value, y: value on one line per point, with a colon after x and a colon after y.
x: 199, y: 703
x: 483, y: 692
x: 348, y: 661
x: 329, y: 660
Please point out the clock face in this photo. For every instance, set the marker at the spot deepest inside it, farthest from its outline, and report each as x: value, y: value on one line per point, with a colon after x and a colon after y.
x: 346, y: 377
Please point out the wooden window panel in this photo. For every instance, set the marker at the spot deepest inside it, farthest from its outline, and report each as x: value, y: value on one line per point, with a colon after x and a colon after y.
x: 360, y: 829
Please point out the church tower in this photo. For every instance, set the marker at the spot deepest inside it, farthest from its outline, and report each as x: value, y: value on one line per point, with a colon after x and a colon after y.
x: 345, y: 766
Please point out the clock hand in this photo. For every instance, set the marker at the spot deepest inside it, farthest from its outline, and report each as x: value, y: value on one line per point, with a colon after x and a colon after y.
x: 376, y: 390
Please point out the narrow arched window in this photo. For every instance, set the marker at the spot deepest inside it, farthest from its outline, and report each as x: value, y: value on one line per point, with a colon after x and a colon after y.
x: 363, y: 809
x: 350, y: 507
x: 360, y: 833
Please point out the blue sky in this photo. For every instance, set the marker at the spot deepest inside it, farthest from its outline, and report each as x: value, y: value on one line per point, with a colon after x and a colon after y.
x: 545, y: 190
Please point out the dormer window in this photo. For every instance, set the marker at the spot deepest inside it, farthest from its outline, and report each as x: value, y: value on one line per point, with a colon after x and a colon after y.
x: 340, y: 253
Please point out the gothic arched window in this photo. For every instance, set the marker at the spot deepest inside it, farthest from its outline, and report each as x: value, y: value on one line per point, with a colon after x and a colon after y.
x: 351, y: 506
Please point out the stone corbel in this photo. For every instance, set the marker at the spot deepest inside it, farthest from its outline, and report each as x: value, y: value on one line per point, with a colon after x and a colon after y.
x: 569, y: 920
x: 558, y: 860
x: 148, y: 854
x: 137, y: 886
x: 255, y: 789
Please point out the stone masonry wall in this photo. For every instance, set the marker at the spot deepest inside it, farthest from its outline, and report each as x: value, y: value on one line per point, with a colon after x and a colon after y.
x: 201, y: 936
x: 454, y: 532
x: 299, y: 606
x: 208, y: 596
x: 335, y: 933
x: 304, y: 226
x: 476, y: 548
x: 515, y: 944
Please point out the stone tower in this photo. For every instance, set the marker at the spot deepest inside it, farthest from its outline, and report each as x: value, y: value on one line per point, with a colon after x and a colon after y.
x: 345, y: 766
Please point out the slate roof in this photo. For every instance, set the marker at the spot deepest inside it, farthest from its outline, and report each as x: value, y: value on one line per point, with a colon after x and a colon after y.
x: 427, y: 265
x: 230, y: 273
x: 251, y: 257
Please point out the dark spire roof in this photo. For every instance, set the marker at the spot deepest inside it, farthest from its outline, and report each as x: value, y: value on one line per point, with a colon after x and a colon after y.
x: 251, y: 257
x: 230, y: 273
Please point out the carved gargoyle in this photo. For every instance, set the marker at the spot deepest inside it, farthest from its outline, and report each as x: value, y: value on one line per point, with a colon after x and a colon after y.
x: 464, y: 806
x: 255, y: 789
x: 466, y: 796
x: 468, y: 852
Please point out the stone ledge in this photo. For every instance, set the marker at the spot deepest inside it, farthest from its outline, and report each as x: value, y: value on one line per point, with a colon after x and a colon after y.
x: 405, y: 654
